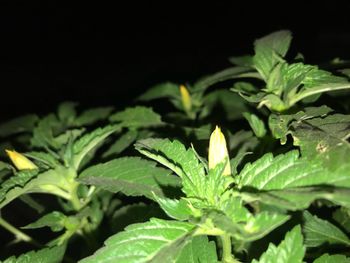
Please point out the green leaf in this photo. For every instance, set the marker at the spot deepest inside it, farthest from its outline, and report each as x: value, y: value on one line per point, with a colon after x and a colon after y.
x: 299, y: 198
x: 154, y: 241
x: 226, y: 74
x: 198, y: 250
x: 89, y: 141
x: 44, y: 158
x: 229, y: 103
x: 184, y: 163
x: 93, y: 115
x: 24, y: 123
x: 291, y: 249
x: 45, y: 255
x: 342, y: 217
x: 269, y: 50
x: 256, y: 124
x: 248, y: 228
x: 287, y: 171
x: 326, y: 258
x: 55, y: 220
x: 29, y: 181
x: 123, y: 142
x: 43, y: 133
x: 66, y: 112
x: 163, y: 90
x: 244, y: 61
x: 177, y: 209
x: 280, y: 124
x: 137, y: 117
x: 132, y: 176
x: 318, y: 231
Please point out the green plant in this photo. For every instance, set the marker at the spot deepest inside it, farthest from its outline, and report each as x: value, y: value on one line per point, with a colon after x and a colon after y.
x: 282, y: 197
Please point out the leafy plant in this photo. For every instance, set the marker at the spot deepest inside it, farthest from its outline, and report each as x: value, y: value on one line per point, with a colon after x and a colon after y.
x: 133, y: 185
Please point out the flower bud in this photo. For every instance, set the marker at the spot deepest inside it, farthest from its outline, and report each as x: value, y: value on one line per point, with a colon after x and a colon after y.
x: 218, y: 151
x: 185, y: 98
x: 20, y: 161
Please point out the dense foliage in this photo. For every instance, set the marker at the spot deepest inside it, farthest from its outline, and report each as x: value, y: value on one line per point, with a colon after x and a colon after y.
x: 136, y: 185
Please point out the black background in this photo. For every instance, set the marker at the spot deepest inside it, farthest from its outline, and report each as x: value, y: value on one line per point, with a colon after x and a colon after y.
x: 108, y: 52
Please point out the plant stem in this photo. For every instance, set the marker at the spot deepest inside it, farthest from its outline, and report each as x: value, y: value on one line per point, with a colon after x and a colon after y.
x: 227, y: 256
x: 18, y: 233
x: 74, y: 197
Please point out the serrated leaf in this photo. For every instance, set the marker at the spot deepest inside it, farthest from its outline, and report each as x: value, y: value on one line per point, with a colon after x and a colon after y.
x: 287, y: 171
x: 256, y: 124
x: 326, y: 258
x: 163, y: 90
x: 269, y: 50
x: 132, y: 176
x: 198, y: 250
x: 46, y: 255
x: 54, y: 220
x: 93, y: 115
x: 280, y: 124
x: 24, y: 123
x: 290, y: 250
x: 89, y: 141
x: 123, y: 142
x: 184, y: 163
x: 154, y: 241
x: 318, y: 231
x: 137, y: 117
x: 43, y: 133
x: 177, y: 209
x: 29, y: 181
x: 299, y: 198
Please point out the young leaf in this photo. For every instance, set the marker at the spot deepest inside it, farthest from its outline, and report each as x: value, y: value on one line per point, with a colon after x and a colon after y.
x: 55, y: 220
x: 89, y: 141
x: 93, y: 115
x: 24, y: 123
x: 226, y: 74
x: 43, y: 133
x: 163, y: 90
x: 137, y: 117
x: 66, y: 112
x: 29, y: 181
x: 184, y: 163
x: 326, y: 258
x: 290, y: 250
x: 132, y: 176
x: 123, y: 142
x: 256, y: 124
x: 154, y: 241
x: 177, y: 209
x: 269, y: 50
x: 198, y: 250
x: 318, y: 231
x: 46, y: 255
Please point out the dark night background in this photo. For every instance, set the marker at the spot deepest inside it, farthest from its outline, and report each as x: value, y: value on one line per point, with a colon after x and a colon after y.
x: 105, y: 53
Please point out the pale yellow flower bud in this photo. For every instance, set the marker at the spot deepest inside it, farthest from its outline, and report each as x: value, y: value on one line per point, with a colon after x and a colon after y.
x: 218, y: 151
x: 20, y: 161
x: 185, y: 98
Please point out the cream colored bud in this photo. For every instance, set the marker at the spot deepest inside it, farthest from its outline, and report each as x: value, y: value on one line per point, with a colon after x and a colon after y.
x: 185, y: 98
x: 218, y: 151
x: 20, y: 161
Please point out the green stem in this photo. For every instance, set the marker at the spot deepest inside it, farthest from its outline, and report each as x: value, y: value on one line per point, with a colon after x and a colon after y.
x: 227, y: 256
x: 74, y: 197
x: 18, y: 233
